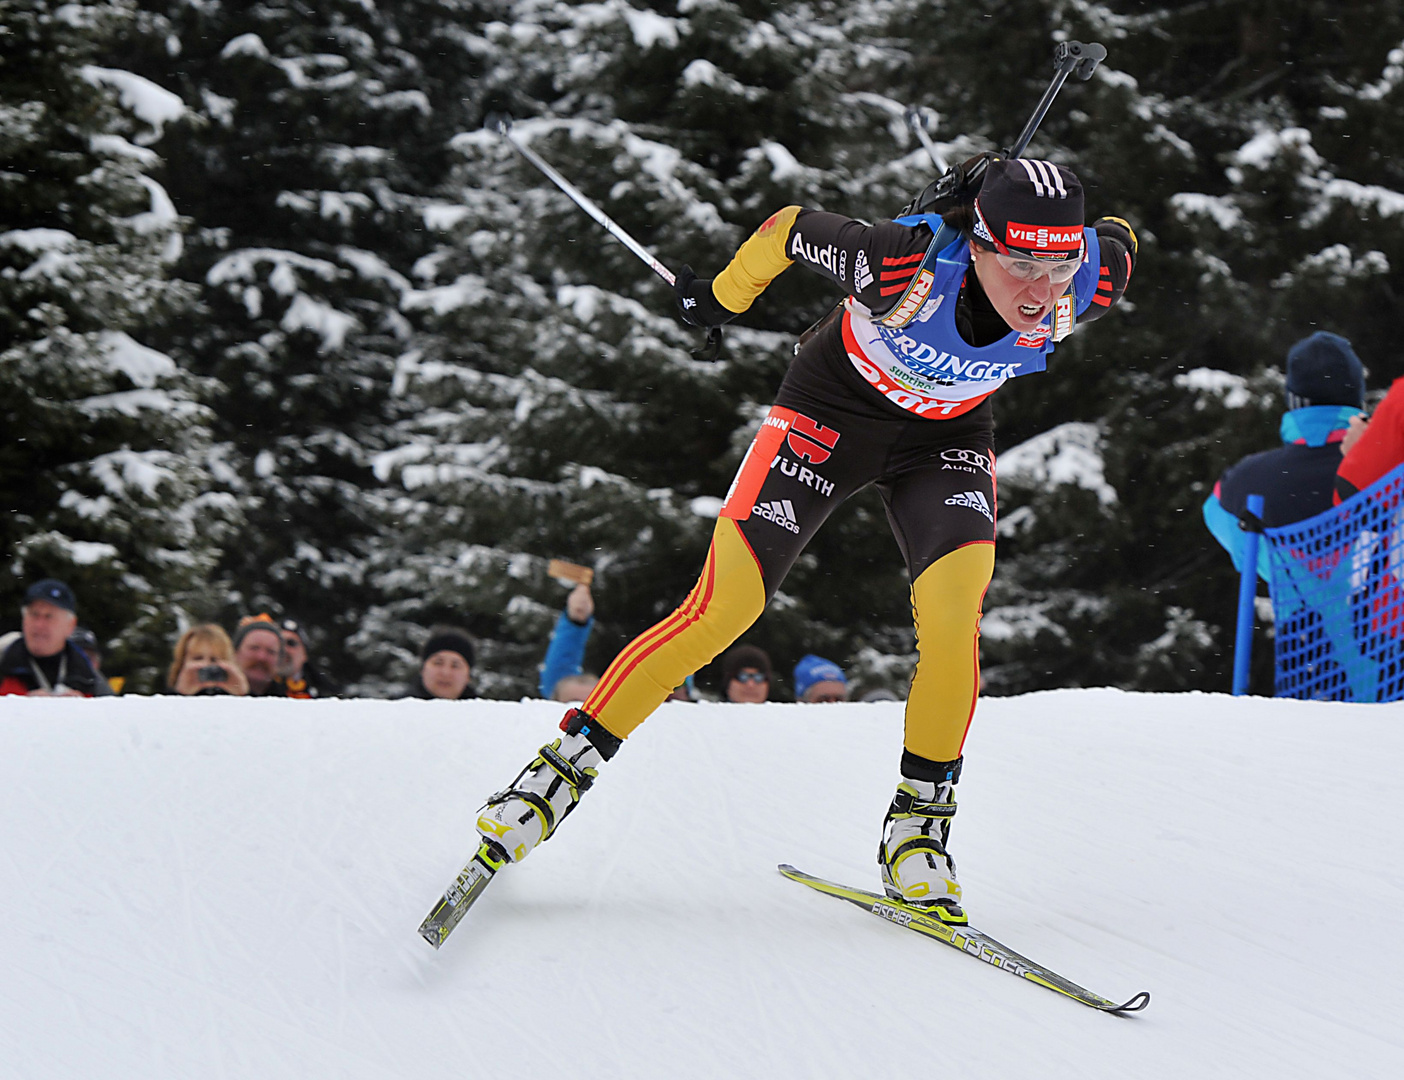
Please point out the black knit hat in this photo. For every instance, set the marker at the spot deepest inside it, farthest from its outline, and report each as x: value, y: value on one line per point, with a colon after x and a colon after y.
x: 448, y: 639
x: 742, y: 657
x: 1031, y: 208
x: 1324, y: 370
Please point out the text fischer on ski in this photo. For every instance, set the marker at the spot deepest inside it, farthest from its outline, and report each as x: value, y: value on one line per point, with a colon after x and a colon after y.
x: 894, y: 391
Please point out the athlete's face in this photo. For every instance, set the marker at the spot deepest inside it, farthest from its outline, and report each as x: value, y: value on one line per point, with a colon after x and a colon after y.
x: 1022, y: 304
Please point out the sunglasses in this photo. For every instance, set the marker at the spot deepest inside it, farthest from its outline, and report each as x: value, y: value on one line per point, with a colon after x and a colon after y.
x: 1056, y: 270
x: 749, y: 677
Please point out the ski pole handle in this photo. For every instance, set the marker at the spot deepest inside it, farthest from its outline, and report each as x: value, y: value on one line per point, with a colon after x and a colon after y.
x: 1070, y: 57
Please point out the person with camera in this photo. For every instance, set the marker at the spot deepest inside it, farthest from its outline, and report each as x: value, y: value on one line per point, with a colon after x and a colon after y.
x: 203, y: 664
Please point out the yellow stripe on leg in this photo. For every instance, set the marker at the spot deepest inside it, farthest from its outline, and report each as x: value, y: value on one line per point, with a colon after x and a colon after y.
x: 946, y: 599
x: 727, y: 599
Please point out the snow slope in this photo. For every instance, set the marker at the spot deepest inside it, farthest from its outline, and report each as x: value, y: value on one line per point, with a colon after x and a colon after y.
x: 225, y: 889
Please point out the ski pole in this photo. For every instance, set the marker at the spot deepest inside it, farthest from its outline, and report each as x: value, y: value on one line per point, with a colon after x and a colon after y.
x: 503, y: 127
x: 1070, y: 57
x: 917, y: 123
x: 1252, y: 523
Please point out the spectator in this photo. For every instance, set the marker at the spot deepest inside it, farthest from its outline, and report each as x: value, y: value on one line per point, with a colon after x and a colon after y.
x: 746, y: 675
x: 819, y: 680
x: 258, y: 650
x: 1325, y: 389
x: 41, y: 661
x: 203, y: 664
x: 562, y: 675
x: 86, y: 640
x: 446, y: 670
x: 1373, y: 446
x: 298, y: 673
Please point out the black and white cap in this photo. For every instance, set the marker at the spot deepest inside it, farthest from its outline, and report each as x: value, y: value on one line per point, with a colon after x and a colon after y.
x: 1031, y: 208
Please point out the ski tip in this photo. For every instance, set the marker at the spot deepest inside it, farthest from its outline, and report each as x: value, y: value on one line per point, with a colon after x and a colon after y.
x: 786, y: 868
x: 1136, y: 1004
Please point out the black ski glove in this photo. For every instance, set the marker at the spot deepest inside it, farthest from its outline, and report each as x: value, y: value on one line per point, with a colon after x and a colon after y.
x: 1119, y: 229
x: 696, y: 303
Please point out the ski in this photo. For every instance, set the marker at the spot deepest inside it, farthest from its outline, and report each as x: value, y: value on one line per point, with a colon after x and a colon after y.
x: 461, y: 895
x: 967, y: 939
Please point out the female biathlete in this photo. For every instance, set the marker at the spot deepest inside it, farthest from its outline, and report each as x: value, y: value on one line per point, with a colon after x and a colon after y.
x: 893, y: 392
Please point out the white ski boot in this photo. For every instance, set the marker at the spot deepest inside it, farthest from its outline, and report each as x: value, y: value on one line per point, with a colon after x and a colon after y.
x: 916, y: 868
x: 515, y: 820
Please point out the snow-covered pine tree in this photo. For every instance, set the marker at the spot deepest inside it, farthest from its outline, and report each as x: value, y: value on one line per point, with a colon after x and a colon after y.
x: 106, y: 471
x: 1245, y: 145
x: 555, y: 408
x: 312, y: 133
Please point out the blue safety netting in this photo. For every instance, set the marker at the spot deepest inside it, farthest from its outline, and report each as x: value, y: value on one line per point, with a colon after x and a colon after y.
x: 1338, y: 598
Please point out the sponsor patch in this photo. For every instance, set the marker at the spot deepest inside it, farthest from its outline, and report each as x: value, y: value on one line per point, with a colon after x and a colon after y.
x: 830, y: 258
x: 942, y: 367
x: 921, y: 404
x: 1064, y: 317
x: 917, y: 293
x: 1035, y: 338
x: 981, y: 229
x: 802, y: 474
x: 1040, y: 238
x: 780, y: 512
x: 969, y: 457
x: 972, y: 500
x: 755, y: 466
x: 862, y: 275
x: 811, y: 441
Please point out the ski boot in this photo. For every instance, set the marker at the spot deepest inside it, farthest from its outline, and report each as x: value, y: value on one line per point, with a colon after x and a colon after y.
x: 916, y: 869
x: 515, y: 820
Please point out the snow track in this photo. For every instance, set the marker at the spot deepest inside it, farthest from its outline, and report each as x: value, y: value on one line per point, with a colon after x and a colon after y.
x: 225, y: 889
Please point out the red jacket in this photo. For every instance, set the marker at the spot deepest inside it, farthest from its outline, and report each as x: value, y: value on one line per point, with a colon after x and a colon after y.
x: 1379, y: 450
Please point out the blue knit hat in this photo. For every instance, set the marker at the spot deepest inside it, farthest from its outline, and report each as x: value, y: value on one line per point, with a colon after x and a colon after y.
x: 815, y: 669
x: 1324, y: 370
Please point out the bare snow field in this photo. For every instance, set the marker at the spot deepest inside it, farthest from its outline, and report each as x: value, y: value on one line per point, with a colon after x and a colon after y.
x: 219, y: 889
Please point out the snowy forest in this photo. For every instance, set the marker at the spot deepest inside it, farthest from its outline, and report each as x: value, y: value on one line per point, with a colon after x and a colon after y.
x: 283, y: 328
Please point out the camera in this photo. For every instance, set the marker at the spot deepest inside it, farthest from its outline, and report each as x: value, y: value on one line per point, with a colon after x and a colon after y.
x: 212, y: 673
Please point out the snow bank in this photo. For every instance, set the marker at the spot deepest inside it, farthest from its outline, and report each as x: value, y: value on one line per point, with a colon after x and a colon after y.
x: 210, y: 888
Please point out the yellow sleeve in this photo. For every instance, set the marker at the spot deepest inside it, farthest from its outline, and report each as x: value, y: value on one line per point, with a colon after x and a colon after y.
x: 758, y: 262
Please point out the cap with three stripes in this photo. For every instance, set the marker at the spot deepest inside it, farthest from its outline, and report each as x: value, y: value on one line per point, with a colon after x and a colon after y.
x: 1030, y: 207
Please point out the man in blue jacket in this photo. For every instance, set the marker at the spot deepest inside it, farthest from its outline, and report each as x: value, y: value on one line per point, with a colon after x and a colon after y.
x: 563, y: 677
x: 1325, y: 388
